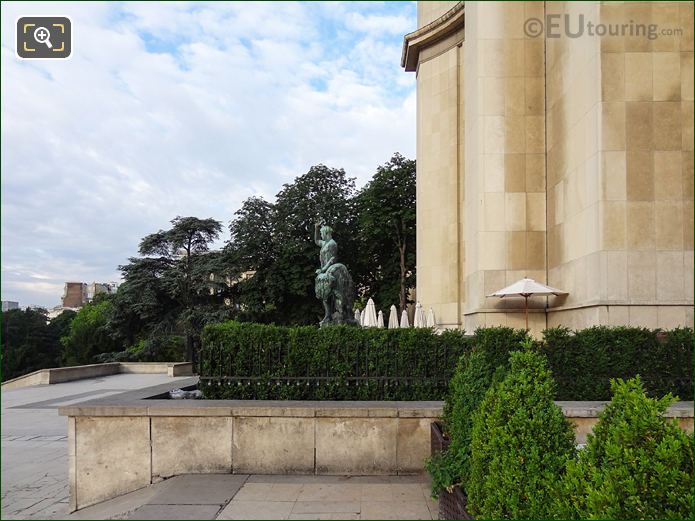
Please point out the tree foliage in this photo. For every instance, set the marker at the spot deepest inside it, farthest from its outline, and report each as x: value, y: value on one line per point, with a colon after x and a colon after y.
x: 386, y: 209
x: 374, y: 228
x: 29, y: 341
x: 89, y: 335
x: 275, y: 242
x: 175, y: 287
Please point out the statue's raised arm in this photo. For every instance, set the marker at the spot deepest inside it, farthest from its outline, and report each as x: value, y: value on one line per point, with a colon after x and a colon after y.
x: 317, y: 235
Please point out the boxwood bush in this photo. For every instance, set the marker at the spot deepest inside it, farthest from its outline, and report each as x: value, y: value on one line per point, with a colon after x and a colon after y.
x: 520, y: 444
x: 476, y: 371
x: 636, y: 463
x: 256, y: 361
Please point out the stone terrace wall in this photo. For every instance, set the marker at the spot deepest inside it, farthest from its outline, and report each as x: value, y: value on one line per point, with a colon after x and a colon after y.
x: 121, y: 443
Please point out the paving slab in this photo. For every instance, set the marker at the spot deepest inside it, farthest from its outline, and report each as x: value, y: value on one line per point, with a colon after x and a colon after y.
x: 395, y: 510
x: 323, y: 507
x: 257, y: 510
x: 330, y: 492
x: 175, y: 512
x: 325, y: 515
x: 199, y: 489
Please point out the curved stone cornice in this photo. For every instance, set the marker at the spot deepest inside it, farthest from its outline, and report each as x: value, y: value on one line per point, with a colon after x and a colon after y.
x: 414, y: 42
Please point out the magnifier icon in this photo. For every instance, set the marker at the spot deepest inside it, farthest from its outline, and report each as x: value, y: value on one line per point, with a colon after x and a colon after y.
x: 43, y: 35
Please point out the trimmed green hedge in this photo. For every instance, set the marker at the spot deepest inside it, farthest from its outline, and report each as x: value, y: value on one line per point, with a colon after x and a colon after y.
x: 583, y: 362
x: 255, y: 361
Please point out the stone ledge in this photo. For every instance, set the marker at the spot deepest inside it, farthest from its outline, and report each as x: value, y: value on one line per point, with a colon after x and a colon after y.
x: 56, y: 375
x: 589, y: 409
x: 140, y: 403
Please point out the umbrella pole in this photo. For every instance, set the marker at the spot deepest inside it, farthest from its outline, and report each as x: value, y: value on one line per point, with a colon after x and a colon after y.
x: 526, y: 310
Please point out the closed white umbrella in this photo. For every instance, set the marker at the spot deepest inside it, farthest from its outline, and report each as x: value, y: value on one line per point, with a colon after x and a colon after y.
x: 370, y: 314
x: 430, y: 319
x: 358, y: 317
x: 527, y: 288
x: 362, y: 317
x: 419, y: 318
x: 404, y: 319
x: 380, y: 320
x: 393, y: 318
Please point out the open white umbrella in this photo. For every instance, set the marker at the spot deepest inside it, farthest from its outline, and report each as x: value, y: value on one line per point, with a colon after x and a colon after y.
x: 419, y: 318
x: 430, y: 319
x: 358, y: 317
x: 380, y: 320
x: 393, y: 318
x: 404, y: 319
x: 369, y: 314
x: 527, y: 288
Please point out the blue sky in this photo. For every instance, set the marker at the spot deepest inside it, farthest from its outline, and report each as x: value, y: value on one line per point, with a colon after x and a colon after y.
x: 169, y: 109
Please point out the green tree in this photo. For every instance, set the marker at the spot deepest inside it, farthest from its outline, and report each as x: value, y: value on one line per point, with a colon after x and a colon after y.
x: 169, y: 288
x: 386, y: 207
x: 89, y: 335
x: 276, y: 242
x: 251, y: 249
x: 29, y: 342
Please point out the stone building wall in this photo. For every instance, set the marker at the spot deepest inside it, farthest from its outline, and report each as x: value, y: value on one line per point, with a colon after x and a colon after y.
x: 568, y: 160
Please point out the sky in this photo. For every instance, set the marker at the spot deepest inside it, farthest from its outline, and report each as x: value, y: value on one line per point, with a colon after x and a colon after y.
x: 167, y: 109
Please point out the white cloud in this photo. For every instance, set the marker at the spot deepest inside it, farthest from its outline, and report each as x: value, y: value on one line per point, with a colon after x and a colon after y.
x: 184, y: 109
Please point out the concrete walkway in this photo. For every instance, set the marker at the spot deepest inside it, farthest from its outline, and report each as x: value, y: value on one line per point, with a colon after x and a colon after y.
x: 34, y: 442
x: 236, y: 496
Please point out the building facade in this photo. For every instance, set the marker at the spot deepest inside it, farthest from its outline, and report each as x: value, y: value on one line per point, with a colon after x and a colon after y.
x: 8, y: 305
x: 74, y: 295
x: 564, y: 155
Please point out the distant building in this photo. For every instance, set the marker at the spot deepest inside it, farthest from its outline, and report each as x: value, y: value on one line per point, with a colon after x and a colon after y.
x: 74, y: 295
x: 96, y: 288
x: 77, y: 294
x: 57, y: 310
x: 9, y: 304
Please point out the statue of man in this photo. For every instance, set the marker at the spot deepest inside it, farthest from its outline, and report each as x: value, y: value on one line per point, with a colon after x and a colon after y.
x: 323, y: 237
x: 333, y: 285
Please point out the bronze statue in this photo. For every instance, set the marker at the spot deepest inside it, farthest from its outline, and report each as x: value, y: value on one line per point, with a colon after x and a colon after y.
x: 334, y: 285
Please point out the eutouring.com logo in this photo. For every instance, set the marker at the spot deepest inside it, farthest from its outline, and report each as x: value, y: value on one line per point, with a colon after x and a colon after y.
x: 559, y: 25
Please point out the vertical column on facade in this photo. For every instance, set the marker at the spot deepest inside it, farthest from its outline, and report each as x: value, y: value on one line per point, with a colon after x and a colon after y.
x: 505, y: 233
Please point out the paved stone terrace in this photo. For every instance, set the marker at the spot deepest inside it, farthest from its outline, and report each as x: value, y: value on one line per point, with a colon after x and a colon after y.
x: 237, y: 496
x: 35, y: 473
x: 34, y: 441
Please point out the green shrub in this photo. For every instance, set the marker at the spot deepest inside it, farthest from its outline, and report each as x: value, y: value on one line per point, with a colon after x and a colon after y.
x: 476, y: 371
x: 257, y: 361
x: 585, y: 361
x: 636, y: 464
x: 520, y: 444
